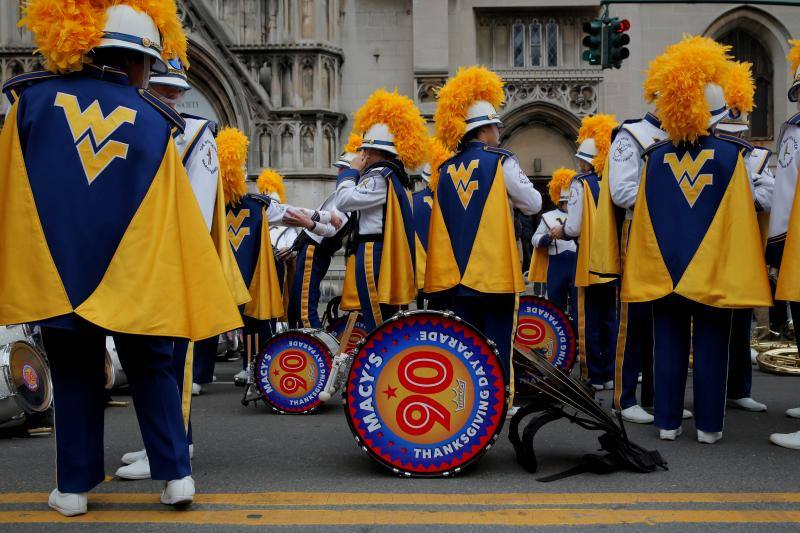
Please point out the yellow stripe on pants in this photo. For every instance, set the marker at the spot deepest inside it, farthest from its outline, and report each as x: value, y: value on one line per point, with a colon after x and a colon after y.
x: 369, y: 273
x: 188, y: 378
x: 309, y: 259
x: 582, y: 332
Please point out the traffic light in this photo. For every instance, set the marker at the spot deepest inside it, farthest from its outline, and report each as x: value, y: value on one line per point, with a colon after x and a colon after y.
x: 593, y: 41
x: 616, y: 42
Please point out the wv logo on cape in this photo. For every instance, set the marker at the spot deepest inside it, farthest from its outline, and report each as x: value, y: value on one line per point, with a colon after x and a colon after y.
x: 90, y: 131
x: 461, y: 177
x: 687, y: 173
x: 237, y: 233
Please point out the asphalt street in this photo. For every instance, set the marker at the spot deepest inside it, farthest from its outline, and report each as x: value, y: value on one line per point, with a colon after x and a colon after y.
x: 255, y: 469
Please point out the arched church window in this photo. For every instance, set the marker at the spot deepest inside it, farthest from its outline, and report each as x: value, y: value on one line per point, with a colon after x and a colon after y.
x: 536, y: 43
x: 746, y: 47
x: 552, y: 43
x: 518, y: 43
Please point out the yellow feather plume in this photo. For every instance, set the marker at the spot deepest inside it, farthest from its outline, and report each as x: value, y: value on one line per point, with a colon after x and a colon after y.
x: 794, y: 55
x: 402, y: 117
x: 468, y: 86
x: 66, y: 30
x: 740, y: 88
x: 682, y: 73
x: 232, y: 151
x: 438, y: 154
x: 599, y: 128
x: 353, y: 143
x: 560, y: 180
x: 270, y: 181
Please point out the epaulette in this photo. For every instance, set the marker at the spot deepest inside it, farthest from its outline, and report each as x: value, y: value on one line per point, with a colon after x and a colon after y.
x: 500, y: 151
x: 762, y: 154
x: 173, y: 117
x: 655, y: 145
x: 14, y: 87
x: 580, y: 177
x: 212, y: 126
x: 795, y: 120
x: 736, y: 140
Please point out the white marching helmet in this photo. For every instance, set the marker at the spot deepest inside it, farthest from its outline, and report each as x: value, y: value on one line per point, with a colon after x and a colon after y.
x: 379, y: 137
x: 133, y: 30
x: 794, y: 90
x: 587, y: 151
x: 175, y: 76
x: 715, y: 98
x: 734, y: 122
x: 426, y: 173
x: 344, y: 160
x: 480, y: 114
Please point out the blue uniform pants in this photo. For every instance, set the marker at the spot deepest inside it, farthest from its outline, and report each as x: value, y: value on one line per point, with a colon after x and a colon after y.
x: 561, y: 282
x: 634, y: 344
x: 597, y: 332
x: 680, y: 325
x: 77, y: 366
x: 205, y: 359
x: 312, y: 265
x: 740, y: 367
x: 253, y: 327
x: 368, y: 264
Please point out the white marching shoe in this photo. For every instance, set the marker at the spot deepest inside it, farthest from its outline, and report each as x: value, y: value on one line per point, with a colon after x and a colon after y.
x: 794, y: 412
x: 748, y: 404
x: 68, y: 503
x: 131, y: 457
x: 787, y: 440
x: 687, y: 414
x: 637, y: 415
x: 609, y: 385
x: 597, y: 387
x: 178, y: 491
x: 140, y: 468
x: 197, y: 390
x: 709, y: 437
x: 669, y: 434
x: 512, y: 411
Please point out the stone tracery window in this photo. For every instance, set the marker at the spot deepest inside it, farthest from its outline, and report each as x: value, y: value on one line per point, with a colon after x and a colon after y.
x: 531, y: 42
x: 535, y: 32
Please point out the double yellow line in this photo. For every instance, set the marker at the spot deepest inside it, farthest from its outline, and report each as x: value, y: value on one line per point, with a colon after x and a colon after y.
x: 364, y: 509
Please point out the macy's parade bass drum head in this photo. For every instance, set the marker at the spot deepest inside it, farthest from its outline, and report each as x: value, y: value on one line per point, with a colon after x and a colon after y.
x: 542, y: 325
x: 292, y: 368
x: 337, y: 327
x: 426, y: 395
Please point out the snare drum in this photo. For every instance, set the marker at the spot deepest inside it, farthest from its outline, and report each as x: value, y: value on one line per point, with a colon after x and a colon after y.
x: 542, y: 325
x: 337, y: 327
x: 292, y: 369
x: 115, y: 375
x: 426, y: 394
x: 25, y: 386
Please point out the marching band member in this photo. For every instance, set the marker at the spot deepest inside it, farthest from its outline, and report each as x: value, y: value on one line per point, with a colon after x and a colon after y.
x: 422, y: 204
x: 376, y: 189
x: 113, y: 243
x: 349, y: 300
x: 597, y: 295
x: 554, y: 260
x: 314, y: 256
x: 783, y: 246
x: 694, y: 247
x: 473, y: 260
x: 198, y: 152
x: 739, y: 91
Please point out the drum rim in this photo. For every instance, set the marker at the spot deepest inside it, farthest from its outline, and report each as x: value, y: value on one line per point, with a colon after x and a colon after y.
x: 45, y: 378
x: 329, y: 357
x: 493, y: 438
x: 573, y: 328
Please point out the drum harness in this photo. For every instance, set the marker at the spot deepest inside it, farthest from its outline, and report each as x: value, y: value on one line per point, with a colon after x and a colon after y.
x: 556, y: 393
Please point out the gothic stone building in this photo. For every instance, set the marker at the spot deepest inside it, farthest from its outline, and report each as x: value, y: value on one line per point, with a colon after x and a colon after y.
x: 291, y: 73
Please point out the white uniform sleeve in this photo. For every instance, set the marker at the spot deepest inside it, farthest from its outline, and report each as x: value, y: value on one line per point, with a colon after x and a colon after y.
x: 763, y: 186
x: 370, y: 192
x: 572, y: 227
x: 788, y: 159
x: 277, y: 211
x: 202, y: 166
x: 541, y: 231
x: 521, y: 192
x: 624, y: 170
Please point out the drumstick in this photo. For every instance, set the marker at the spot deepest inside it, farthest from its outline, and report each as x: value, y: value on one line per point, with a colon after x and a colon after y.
x: 249, y: 346
x: 344, y: 340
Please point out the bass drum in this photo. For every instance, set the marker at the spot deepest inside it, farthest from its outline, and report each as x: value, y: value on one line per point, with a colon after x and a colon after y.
x: 292, y: 369
x: 426, y: 395
x: 25, y: 386
x: 115, y: 375
x: 542, y: 325
x: 337, y: 327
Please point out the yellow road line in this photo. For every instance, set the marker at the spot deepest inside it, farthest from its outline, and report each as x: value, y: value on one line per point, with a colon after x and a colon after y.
x: 338, y: 499
x: 505, y: 517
